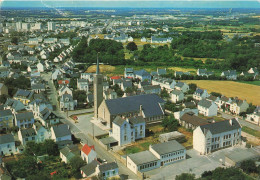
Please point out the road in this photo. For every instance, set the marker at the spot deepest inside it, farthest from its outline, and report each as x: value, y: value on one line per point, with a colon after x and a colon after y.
x: 83, y: 133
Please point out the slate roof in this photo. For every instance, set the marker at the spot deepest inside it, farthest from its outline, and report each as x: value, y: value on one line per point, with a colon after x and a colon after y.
x: 28, y: 132
x: 108, y: 166
x: 199, y: 91
x: 38, y: 86
x: 161, y: 71
x: 213, y: 98
x: 180, y: 84
x: 129, y: 70
x: 205, y: 103
x: 6, y: 112
x: 90, y: 168
x: 230, y: 73
x: 151, y: 87
x: 45, y: 113
x: 191, y: 118
x: 23, y: 93
x: 177, y: 92
x: 224, y: 98
x: 7, y: 138
x: 61, y: 130
x: 64, y: 96
x: 90, y: 98
x: 24, y: 115
x: 167, y: 147
x: 70, y: 151
x: 127, y: 84
x: 119, y: 121
x: 13, y: 104
x: 142, y: 73
x: 220, y: 127
x: 136, y: 120
x: 143, y: 157
x: 149, y: 102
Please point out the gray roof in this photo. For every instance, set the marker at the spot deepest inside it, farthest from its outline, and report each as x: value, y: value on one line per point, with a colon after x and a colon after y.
x: 90, y: 168
x: 136, y: 120
x: 23, y: 93
x: 7, y: 138
x: 142, y: 73
x: 129, y: 70
x: 127, y: 84
x: 28, y: 132
x: 119, y: 121
x: 205, y: 103
x: 180, y: 84
x: 108, y: 140
x: 108, y: 166
x: 199, y: 91
x: 239, y: 155
x: 38, y: 86
x: 191, y: 118
x: 149, y: 102
x: 176, y: 92
x: 161, y: 71
x: 222, y: 126
x: 143, y: 157
x: 61, y: 130
x: 14, y: 104
x: 6, y: 112
x: 151, y: 87
x: 46, y: 113
x: 167, y: 147
x: 24, y: 115
x: 70, y: 151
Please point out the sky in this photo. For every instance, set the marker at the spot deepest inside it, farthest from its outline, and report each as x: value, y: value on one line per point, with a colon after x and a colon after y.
x: 134, y: 4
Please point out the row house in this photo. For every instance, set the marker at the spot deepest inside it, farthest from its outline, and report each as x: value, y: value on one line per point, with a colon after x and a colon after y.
x: 24, y: 119
x: 181, y: 86
x: 238, y: 106
x: 7, y: 144
x: 254, y: 117
x: 83, y: 84
x: 176, y: 96
x: 6, y: 119
x: 207, y: 108
x: 143, y: 75
x: 25, y: 96
x: 168, y: 84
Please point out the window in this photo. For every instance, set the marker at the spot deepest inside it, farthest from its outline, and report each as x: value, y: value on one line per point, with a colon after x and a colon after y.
x: 26, y: 139
x: 125, y: 138
x: 8, y: 146
x: 33, y: 138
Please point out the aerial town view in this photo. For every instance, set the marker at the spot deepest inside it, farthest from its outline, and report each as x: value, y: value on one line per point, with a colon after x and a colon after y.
x: 129, y: 90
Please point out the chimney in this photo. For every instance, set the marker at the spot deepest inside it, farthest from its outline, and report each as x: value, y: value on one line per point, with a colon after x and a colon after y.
x: 141, y: 110
x: 231, y: 122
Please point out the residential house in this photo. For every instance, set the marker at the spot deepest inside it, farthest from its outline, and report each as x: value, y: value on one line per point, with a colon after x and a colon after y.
x: 89, y: 170
x: 83, y: 84
x: 4, y: 72
x: 207, y: 108
x: 63, y: 82
x: 238, y: 106
x: 24, y: 119
x: 161, y: 71
x: 126, y: 83
x: 151, y: 89
x: 253, y: 72
x: 48, y: 117
x: 105, y: 86
x: 67, y: 103
x: 213, y: 99
x: 254, y: 117
x: 38, y: 88
x: 64, y: 90
x: 190, y: 120
x: 69, y: 152
x: 41, y: 67
x: 129, y: 73
x: 55, y: 74
x: 87, y: 76
x: 14, y: 105
x: 109, y: 94
x: 143, y: 39
x: 3, y: 89
x: 60, y: 133
x: 25, y: 96
x: 181, y: 86
x: 180, y: 73
x: 107, y: 170
x: 158, y: 155
x: 204, y: 72
x: 88, y: 153
x: 223, y: 102
x: 179, y: 114
x: 150, y: 106
x: 168, y: 84
x: 143, y: 75
x: 160, y: 40
x: 41, y: 133
x: 200, y: 94
x: 6, y: 119
x: 26, y: 135
x: 127, y: 130
x: 230, y: 74
x: 176, y: 96
x: 211, y: 137
x: 7, y: 144
x: 142, y: 84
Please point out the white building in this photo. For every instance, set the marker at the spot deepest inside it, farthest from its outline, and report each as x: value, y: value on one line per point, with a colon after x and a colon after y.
x: 82, y: 84
x: 237, y: 106
x: 211, y: 137
x: 60, y: 133
x: 200, y: 94
x: 176, y: 96
x: 25, y: 135
x: 51, y: 26
x: 87, y: 76
x: 254, y: 117
x: 181, y: 86
x: 7, y: 144
x: 127, y: 130
x: 207, y: 108
x: 88, y: 153
x: 168, y: 84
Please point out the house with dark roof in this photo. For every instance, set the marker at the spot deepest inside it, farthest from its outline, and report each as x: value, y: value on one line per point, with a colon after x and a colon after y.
x: 14, y: 105
x: 48, y: 118
x: 60, y: 133
x: 143, y: 75
x: 83, y: 84
x: 207, y: 108
x: 109, y: 94
x: 190, y: 120
x: 214, y: 136
x: 69, y: 152
x: 181, y: 86
x: 24, y: 119
x: 161, y: 71
x: 25, y: 96
x: 151, y: 89
x: 41, y: 132
x: 180, y: 73
x: 254, y: 117
x: 204, y: 72
x: 168, y: 84
x: 38, y: 88
x: 3, y: 89
x: 67, y: 103
x: 129, y: 73
x: 7, y: 144
x: 126, y: 83
x: 127, y: 130
x: 25, y: 135
x: 88, y: 153
x: 223, y: 101
x: 89, y: 170
x: 176, y: 96
x: 238, y: 106
x: 230, y: 74
x: 107, y: 170
x: 150, y: 106
x: 200, y: 94
x: 6, y: 119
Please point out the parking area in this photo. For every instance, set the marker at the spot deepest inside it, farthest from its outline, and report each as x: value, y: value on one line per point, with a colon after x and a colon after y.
x: 195, y: 164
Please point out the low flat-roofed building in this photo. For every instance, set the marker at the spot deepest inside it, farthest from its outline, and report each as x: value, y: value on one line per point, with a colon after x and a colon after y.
x: 175, y: 135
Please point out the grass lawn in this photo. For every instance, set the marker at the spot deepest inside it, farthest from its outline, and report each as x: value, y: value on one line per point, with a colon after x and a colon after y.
x: 250, y: 82
x: 132, y: 150
x: 247, y: 92
x: 188, y: 137
x: 251, y: 131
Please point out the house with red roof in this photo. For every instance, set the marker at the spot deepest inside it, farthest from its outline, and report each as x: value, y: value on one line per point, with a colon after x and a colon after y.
x: 88, y: 153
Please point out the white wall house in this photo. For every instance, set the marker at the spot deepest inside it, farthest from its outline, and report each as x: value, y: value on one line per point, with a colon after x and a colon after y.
x: 41, y: 133
x: 168, y: 84
x: 200, y: 94
x: 176, y: 96
x: 25, y: 135
x: 254, y: 118
x: 182, y: 87
x: 237, y: 106
x: 7, y: 144
x: 88, y: 153
x: 60, y: 133
x: 82, y: 84
x: 211, y: 137
x: 207, y: 108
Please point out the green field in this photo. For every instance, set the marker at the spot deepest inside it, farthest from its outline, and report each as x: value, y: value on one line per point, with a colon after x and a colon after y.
x: 251, y: 131
x: 250, y: 82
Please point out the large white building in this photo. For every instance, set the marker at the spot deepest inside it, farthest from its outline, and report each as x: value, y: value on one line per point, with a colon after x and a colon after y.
x: 51, y: 26
x: 211, y: 137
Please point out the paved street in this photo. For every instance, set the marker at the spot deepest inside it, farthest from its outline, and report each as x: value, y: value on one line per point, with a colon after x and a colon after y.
x: 83, y: 128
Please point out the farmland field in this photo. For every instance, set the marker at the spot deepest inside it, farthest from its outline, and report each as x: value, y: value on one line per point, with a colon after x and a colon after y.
x: 231, y: 89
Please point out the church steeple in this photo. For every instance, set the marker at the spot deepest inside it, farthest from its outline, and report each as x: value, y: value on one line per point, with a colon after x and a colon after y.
x: 97, y: 71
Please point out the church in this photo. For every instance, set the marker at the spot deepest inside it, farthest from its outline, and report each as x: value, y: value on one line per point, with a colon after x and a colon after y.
x: 149, y: 106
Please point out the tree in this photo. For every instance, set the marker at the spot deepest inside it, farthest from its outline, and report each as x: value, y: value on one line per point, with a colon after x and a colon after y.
x: 76, y: 163
x: 14, y: 40
x: 216, y: 94
x: 131, y: 46
x: 3, y: 98
x: 249, y: 166
x: 170, y: 123
x: 164, y: 93
x: 50, y: 147
x: 192, y: 87
x: 185, y: 176
x: 80, y: 95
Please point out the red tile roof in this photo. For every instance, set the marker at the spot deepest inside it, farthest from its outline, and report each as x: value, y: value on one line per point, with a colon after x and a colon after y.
x: 115, y: 77
x: 63, y: 82
x: 86, y: 149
